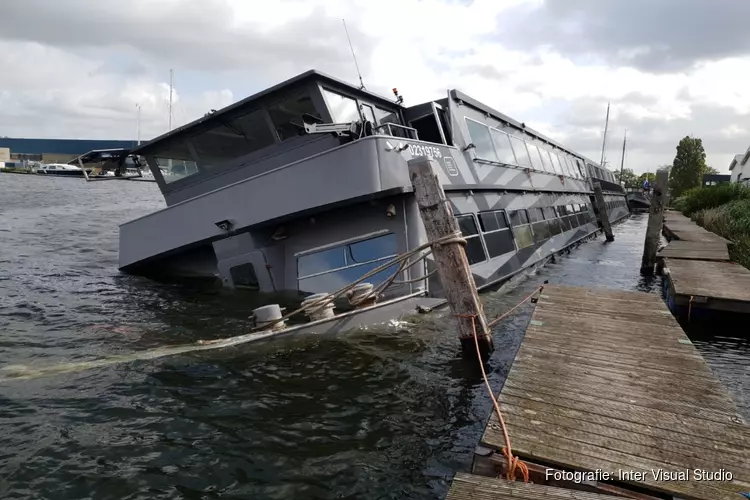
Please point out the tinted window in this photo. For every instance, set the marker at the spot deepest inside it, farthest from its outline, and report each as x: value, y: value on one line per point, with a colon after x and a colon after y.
x: 287, y: 115
x: 541, y: 231
x: 519, y: 147
x: 581, y: 168
x: 335, y: 280
x: 318, y: 262
x: 176, y: 168
x: 554, y: 227
x: 573, y: 221
x: 488, y: 221
x: 499, y: 243
x: 244, y: 275
x: 562, y: 210
x: 467, y: 225
x: 518, y: 217
x: 536, y: 160
x: 343, y: 109
x: 474, y: 250
x: 480, y: 137
x: 374, y: 248
x: 549, y: 213
x: 524, y: 238
x: 535, y: 214
x: 502, y: 147
x: 233, y: 139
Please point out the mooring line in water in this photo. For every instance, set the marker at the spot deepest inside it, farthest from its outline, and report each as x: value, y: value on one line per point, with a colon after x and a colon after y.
x: 22, y: 372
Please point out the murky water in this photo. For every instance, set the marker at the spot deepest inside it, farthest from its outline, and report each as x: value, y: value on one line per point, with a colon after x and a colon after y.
x: 374, y: 414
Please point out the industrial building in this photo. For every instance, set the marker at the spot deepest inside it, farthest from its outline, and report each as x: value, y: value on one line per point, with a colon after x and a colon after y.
x: 53, y: 150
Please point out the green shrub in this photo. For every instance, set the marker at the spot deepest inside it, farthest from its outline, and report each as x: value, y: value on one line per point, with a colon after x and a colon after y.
x: 732, y: 221
x: 702, y: 198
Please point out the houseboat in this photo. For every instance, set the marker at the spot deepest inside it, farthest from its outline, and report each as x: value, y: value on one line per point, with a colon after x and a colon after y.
x: 304, y: 187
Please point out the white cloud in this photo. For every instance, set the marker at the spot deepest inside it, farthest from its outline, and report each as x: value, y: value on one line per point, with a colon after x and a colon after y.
x: 77, y: 82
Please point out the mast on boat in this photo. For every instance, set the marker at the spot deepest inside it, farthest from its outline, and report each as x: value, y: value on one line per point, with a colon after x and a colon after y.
x: 171, y: 86
x: 138, y: 123
x: 604, y: 142
x: 622, y: 163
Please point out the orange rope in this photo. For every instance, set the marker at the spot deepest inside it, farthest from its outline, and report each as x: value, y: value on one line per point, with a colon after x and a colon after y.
x: 497, y: 320
x: 513, y: 462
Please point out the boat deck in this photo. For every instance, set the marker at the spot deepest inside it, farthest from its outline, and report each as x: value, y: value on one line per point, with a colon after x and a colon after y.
x: 470, y: 487
x: 608, y: 380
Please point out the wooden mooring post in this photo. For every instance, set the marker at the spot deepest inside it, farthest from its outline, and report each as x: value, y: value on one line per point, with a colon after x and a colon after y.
x: 655, y: 222
x: 601, y: 206
x: 450, y: 258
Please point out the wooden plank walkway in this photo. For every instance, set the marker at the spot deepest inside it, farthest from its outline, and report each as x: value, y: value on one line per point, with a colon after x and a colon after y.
x: 695, y: 250
x: 677, y: 226
x: 608, y: 380
x: 713, y: 285
x: 470, y: 487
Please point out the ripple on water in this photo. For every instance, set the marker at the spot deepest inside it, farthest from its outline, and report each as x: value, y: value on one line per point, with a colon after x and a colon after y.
x: 387, y: 412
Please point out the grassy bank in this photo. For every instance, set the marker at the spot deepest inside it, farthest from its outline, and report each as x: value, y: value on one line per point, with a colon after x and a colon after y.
x: 724, y: 210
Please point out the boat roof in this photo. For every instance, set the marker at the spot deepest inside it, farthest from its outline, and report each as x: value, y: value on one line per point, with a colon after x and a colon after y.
x: 307, y: 76
x: 99, y: 154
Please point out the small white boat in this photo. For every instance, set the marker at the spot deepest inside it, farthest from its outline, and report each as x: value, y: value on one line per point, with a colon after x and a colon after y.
x: 60, y: 169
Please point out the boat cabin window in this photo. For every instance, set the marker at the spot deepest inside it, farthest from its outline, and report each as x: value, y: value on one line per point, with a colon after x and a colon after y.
x: 332, y: 268
x: 287, y: 115
x: 536, y: 160
x: 368, y: 113
x: 521, y: 228
x: 232, y: 139
x: 496, y: 233
x: 539, y: 226
x: 480, y: 137
x: 343, y: 109
x: 244, y: 276
x: 428, y: 128
x: 581, y: 168
x: 522, y: 155
x: 502, y: 147
x: 554, y: 223
x: 474, y: 248
x: 385, y: 116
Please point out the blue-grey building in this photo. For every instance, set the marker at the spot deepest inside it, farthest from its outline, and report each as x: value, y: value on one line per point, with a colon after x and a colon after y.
x: 56, y: 150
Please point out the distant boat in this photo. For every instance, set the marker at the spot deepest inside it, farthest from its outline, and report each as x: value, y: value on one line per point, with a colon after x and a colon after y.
x: 60, y: 169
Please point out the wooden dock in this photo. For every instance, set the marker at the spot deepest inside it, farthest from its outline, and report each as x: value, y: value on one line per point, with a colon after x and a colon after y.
x: 607, y: 380
x: 699, y: 270
x: 471, y: 487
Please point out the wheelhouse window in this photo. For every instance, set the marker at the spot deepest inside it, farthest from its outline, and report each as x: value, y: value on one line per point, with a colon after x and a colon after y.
x: 232, y: 138
x: 385, y: 116
x: 503, y: 148
x: 343, y: 109
x: 521, y: 228
x: 480, y: 137
x: 474, y: 249
x: 175, y: 161
x: 287, y: 115
x: 522, y: 155
x: 330, y: 269
x: 368, y: 113
x: 496, y: 233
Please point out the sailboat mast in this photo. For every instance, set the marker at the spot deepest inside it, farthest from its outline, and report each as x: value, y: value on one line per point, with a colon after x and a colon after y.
x: 138, y: 123
x: 604, y: 142
x: 171, y: 86
x: 622, y: 163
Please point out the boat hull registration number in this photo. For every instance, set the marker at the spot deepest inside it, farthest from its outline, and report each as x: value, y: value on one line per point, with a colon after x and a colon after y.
x: 421, y: 150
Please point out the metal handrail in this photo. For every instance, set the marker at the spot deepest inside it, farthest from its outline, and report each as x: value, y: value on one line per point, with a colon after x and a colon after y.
x: 409, y: 132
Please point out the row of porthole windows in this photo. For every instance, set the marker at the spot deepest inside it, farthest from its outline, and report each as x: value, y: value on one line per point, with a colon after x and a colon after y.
x: 500, y: 232
x: 494, y: 145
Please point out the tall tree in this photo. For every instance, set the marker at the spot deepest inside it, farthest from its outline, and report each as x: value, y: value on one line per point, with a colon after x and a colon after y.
x: 628, y: 177
x: 688, y: 167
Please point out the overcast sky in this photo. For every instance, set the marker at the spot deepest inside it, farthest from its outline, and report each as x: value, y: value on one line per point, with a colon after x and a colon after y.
x: 77, y: 68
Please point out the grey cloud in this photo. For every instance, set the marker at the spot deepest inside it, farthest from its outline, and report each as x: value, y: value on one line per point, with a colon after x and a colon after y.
x: 191, y: 33
x: 656, y: 36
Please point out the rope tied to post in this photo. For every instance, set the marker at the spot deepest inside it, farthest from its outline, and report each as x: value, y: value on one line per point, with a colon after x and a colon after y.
x: 515, y: 464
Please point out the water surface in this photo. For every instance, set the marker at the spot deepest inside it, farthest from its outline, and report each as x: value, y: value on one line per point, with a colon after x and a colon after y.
x: 386, y: 412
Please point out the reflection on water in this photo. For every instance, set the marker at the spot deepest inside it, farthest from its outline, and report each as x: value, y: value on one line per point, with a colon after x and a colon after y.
x: 386, y: 412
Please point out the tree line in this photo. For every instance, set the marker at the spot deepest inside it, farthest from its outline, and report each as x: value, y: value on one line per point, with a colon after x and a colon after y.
x: 686, y: 172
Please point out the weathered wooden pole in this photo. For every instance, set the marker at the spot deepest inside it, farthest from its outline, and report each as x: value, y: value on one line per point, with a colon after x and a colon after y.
x: 601, y: 205
x: 450, y: 258
x: 655, y: 222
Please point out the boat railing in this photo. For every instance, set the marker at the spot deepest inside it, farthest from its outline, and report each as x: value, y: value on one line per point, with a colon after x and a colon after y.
x: 396, y: 130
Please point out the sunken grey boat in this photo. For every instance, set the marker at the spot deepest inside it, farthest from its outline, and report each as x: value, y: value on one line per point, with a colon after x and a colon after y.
x: 304, y: 187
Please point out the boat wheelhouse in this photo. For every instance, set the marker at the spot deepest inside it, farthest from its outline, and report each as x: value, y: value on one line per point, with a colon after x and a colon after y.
x: 304, y: 186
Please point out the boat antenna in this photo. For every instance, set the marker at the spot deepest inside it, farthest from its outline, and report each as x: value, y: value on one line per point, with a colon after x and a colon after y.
x: 604, y: 142
x: 171, y: 86
x: 354, y: 56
